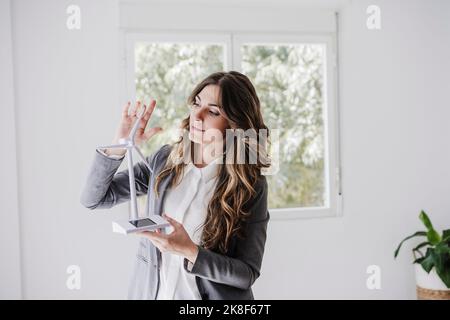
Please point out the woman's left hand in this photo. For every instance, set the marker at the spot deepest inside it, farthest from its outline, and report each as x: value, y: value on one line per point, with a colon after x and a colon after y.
x: 177, y: 242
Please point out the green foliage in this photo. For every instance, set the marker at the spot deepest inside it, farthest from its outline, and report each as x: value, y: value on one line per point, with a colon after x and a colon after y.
x: 289, y: 82
x: 438, y: 249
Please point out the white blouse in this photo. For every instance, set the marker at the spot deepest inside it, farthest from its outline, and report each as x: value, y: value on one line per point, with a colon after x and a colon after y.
x: 187, y: 203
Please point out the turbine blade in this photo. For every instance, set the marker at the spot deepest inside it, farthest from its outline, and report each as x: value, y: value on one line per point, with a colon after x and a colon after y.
x: 114, y: 146
x: 143, y: 158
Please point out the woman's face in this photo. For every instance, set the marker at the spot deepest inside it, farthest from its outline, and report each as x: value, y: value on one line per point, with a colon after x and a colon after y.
x: 206, y: 116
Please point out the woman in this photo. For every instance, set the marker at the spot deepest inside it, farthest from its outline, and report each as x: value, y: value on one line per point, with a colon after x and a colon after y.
x: 217, y: 208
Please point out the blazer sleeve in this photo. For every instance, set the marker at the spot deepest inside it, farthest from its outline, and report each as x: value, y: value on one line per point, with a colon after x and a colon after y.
x: 243, y: 268
x: 104, y: 188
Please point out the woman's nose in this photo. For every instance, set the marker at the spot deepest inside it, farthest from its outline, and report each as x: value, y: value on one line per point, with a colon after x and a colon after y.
x: 199, y: 113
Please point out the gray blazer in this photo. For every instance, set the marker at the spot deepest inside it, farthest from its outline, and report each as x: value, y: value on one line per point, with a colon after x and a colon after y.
x: 218, y: 276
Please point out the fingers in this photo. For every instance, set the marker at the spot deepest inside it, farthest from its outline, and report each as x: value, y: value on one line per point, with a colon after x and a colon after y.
x: 134, y: 112
x: 125, y: 110
x: 147, y: 114
x: 151, y: 132
x: 173, y: 222
x: 131, y: 113
x: 141, y: 113
x: 135, y: 109
x: 149, y: 111
x: 160, y: 243
x: 152, y: 235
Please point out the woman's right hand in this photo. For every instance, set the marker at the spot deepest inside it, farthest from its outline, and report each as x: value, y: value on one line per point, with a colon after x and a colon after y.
x: 127, y: 121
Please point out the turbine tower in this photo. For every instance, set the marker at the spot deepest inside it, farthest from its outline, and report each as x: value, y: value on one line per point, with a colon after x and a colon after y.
x: 130, y: 145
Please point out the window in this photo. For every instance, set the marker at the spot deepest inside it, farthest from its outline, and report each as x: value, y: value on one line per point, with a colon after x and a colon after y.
x: 295, y: 79
x: 289, y: 82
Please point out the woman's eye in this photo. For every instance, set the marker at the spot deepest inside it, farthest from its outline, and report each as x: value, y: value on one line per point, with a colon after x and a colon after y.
x: 215, y: 114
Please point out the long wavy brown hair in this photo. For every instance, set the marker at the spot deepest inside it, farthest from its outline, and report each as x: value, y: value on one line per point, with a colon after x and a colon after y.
x: 234, y: 189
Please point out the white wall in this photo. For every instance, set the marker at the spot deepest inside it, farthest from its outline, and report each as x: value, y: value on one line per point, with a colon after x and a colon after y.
x: 395, y: 154
x: 66, y: 103
x: 10, y: 271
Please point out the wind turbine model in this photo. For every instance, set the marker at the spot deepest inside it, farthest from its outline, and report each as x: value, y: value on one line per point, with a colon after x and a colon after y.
x: 135, y: 224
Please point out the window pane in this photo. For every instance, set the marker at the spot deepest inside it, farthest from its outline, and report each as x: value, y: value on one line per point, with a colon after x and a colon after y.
x: 289, y: 80
x: 168, y: 72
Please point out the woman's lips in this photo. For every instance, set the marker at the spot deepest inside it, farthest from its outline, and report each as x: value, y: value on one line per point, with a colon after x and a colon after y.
x: 196, y: 129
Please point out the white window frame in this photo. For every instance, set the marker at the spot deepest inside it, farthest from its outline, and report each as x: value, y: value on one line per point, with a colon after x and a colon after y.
x: 232, y: 42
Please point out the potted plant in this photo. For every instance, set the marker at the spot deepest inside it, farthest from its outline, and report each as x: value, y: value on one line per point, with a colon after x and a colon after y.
x: 433, y: 267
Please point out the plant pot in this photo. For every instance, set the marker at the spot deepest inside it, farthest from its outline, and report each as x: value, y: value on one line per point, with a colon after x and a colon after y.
x: 429, y: 286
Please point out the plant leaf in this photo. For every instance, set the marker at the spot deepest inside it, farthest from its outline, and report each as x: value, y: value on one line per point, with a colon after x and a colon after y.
x: 443, y: 249
x: 442, y: 262
x: 432, y: 235
x: 445, y: 276
x: 417, y: 234
x: 423, y: 244
x: 418, y: 260
x: 446, y: 236
x: 428, y: 262
x: 425, y: 220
